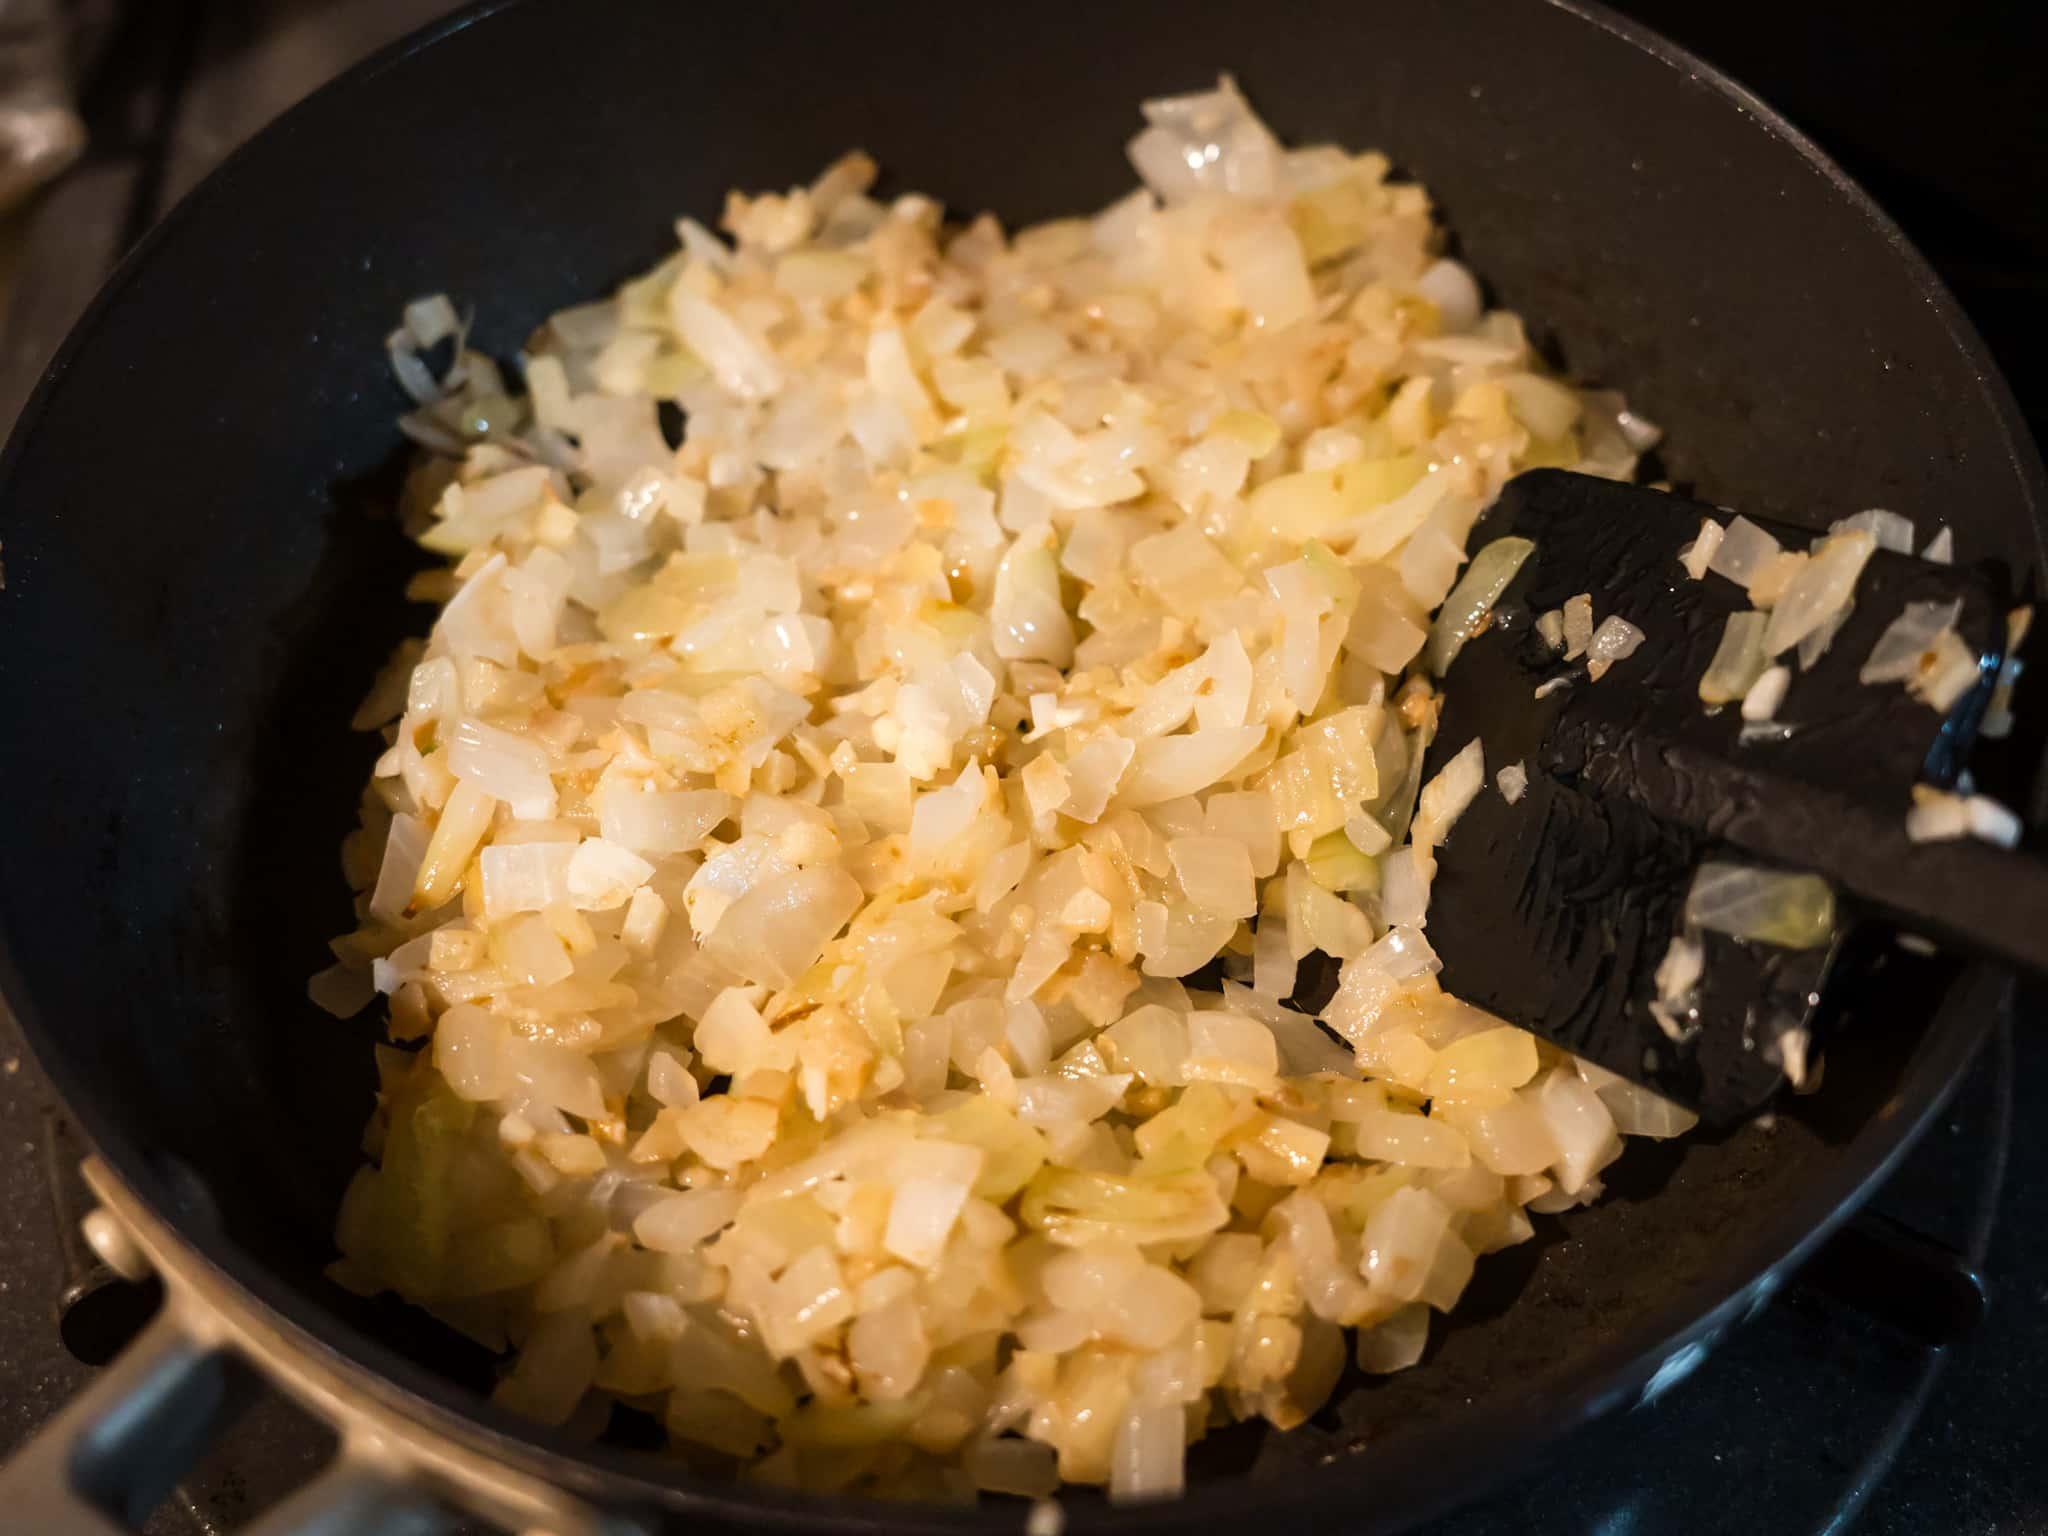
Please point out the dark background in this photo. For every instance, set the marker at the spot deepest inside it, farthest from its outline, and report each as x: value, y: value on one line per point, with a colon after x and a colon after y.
x: 1796, y: 1424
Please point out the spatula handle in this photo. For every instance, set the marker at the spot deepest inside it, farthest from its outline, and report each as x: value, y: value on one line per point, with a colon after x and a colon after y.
x: 1967, y: 896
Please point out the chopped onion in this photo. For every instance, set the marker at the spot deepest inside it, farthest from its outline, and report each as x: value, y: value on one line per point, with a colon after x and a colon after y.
x: 1215, y: 873
x: 1791, y: 911
x: 1939, y: 816
x: 524, y: 877
x: 1578, y: 625
x: 1366, y: 834
x: 1816, y: 644
x: 1203, y: 143
x: 1466, y: 610
x: 1172, y: 766
x: 1949, y: 670
x: 1615, y: 640
x: 1396, y: 1343
x: 1743, y: 550
x: 1889, y: 529
x: 1766, y: 693
x: 1636, y: 1110
x: 1680, y: 969
x: 1451, y: 288
x: 1512, y: 781
x: 777, y: 931
x: 1403, y: 953
x: 1698, y: 556
x: 1902, y: 650
x: 1028, y: 618
x: 740, y: 363
x: 1445, y: 797
x: 1580, y: 1127
x: 511, y: 768
x: 1739, y: 660
x: 1820, y: 590
x: 838, y: 881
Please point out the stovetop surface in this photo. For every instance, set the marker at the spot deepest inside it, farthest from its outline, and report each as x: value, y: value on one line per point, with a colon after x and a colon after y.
x: 1818, y: 1413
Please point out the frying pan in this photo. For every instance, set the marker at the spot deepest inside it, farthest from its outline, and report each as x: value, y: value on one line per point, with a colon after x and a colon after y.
x: 200, y: 578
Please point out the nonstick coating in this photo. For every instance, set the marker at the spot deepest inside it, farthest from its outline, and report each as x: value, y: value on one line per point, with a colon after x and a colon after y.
x: 199, y: 584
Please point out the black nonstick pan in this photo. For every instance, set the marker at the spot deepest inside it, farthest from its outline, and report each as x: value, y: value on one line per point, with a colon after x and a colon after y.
x: 201, y: 576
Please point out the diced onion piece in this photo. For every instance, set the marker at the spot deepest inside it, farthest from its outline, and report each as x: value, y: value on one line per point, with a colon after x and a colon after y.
x: 1615, y: 640
x: 1580, y: 1126
x: 1512, y: 781
x: 1744, y: 550
x: 1739, y: 660
x: 524, y: 877
x: 1948, y: 670
x: 1466, y: 610
x: 1411, y: 1139
x: 1395, y: 1343
x: 1215, y: 873
x: 777, y: 931
x: 1402, y: 1242
x: 1791, y: 911
x: 1905, y: 650
x: 1940, y: 816
x: 1172, y: 766
x: 740, y: 363
x: 1366, y: 834
x: 465, y: 819
x: 1766, y: 693
x: 1636, y: 1110
x: 1680, y: 969
x: 1028, y: 619
x: 602, y: 875
x: 653, y: 824
x: 1821, y: 589
x: 1445, y: 797
x: 921, y: 1216
x: 1776, y: 577
x: 678, y: 1223
x: 1578, y: 625
x: 1451, y: 287
x: 1889, y: 529
x: 1697, y: 556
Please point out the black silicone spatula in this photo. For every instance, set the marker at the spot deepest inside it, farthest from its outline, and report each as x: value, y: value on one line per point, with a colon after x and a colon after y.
x: 1556, y: 910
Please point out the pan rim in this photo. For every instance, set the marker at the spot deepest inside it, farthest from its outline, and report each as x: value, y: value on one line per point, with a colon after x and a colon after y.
x: 1592, y: 1386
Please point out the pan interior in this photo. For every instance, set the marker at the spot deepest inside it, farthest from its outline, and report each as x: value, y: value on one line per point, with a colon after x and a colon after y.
x: 201, y: 576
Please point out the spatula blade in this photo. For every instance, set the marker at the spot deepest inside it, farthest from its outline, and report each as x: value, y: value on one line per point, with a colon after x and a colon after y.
x: 1555, y: 911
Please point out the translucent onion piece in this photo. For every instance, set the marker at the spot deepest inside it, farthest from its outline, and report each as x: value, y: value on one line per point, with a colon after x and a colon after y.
x: 1891, y: 531
x: 1615, y: 640
x: 1949, y: 670
x: 1820, y: 590
x: 1465, y: 611
x: 1791, y: 911
x: 1743, y: 551
x: 1698, y: 556
x: 1739, y: 660
x: 1766, y: 694
x: 1901, y: 651
x: 1939, y: 816
x: 1445, y: 797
